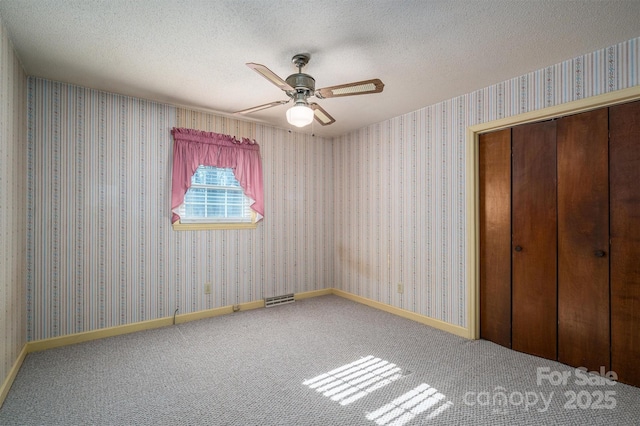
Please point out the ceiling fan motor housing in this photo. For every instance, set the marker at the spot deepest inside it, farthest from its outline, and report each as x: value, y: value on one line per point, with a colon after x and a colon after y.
x: 302, y: 83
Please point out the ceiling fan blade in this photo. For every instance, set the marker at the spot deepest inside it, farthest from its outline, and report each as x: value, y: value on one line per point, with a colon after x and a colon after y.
x: 350, y: 89
x: 261, y: 107
x: 271, y: 76
x: 321, y: 115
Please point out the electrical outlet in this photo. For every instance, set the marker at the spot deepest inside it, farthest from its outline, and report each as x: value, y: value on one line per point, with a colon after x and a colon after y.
x: 400, y: 288
x: 207, y: 288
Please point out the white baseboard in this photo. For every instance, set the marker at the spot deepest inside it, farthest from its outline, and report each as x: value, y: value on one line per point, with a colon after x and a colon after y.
x: 13, y: 372
x: 54, y: 342
x: 432, y: 322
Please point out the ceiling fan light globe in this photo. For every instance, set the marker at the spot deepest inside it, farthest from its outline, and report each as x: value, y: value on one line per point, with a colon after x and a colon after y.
x: 299, y: 115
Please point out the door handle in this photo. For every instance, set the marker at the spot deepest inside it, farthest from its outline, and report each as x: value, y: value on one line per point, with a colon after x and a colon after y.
x: 518, y: 248
x: 599, y: 253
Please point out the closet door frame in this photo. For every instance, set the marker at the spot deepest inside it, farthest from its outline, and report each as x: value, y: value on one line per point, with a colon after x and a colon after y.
x: 472, y: 182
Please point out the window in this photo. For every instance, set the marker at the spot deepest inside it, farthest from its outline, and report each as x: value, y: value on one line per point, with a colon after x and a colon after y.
x: 205, y: 193
x: 215, y: 198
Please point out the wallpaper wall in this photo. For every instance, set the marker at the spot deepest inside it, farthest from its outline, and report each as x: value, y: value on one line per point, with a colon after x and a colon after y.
x: 13, y: 201
x: 400, y: 202
x: 101, y: 249
x: 365, y: 212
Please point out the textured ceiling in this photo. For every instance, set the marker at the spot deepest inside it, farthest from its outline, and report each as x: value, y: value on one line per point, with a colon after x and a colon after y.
x: 192, y: 53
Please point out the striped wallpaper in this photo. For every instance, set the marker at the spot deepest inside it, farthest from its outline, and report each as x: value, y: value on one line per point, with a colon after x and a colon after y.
x: 101, y: 249
x: 363, y: 212
x: 13, y: 202
x: 400, y: 202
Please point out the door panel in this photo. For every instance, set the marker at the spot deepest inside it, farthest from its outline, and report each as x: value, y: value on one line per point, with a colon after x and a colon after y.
x: 624, y: 160
x: 583, y: 240
x: 534, y: 246
x: 495, y: 236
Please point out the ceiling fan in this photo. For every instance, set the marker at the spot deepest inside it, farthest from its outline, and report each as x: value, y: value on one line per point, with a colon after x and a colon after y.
x: 299, y: 87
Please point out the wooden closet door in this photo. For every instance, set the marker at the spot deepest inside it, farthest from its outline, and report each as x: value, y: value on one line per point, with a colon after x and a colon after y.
x: 624, y: 160
x: 583, y: 240
x: 495, y: 236
x: 534, y: 246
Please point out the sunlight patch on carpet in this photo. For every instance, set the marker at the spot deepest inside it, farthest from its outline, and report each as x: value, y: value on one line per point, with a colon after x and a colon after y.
x: 355, y: 380
x: 404, y: 408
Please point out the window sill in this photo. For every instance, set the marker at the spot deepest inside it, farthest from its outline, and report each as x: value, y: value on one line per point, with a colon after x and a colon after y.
x: 209, y: 226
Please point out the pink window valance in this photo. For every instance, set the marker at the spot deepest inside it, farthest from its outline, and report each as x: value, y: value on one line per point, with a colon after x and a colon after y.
x: 193, y: 148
